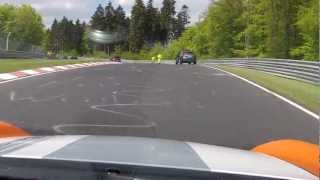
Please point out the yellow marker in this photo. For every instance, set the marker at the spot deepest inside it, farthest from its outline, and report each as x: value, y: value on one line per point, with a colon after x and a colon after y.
x: 153, y: 59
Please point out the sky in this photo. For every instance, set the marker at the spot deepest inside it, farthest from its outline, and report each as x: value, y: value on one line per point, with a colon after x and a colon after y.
x: 84, y: 9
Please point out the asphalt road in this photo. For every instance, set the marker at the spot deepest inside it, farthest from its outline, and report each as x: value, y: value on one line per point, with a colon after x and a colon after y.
x: 190, y: 103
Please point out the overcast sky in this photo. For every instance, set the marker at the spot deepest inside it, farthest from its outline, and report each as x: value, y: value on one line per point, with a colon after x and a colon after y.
x: 83, y: 9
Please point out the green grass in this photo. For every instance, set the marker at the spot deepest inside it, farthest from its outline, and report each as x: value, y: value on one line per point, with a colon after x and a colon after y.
x: 10, y: 65
x: 305, y: 94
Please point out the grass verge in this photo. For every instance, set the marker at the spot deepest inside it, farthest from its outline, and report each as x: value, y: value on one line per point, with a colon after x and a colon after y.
x: 10, y: 65
x: 305, y: 94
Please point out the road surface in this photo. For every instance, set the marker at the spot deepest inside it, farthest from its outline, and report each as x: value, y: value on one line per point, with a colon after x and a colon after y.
x: 190, y: 103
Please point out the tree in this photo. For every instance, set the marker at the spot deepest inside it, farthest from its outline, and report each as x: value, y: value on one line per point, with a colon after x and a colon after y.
x: 137, y: 26
x: 98, y: 19
x: 308, y: 26
x: 110, y: 18
x: 122, y: 28
x: 7, y: 15
x: 78, y: 34
x: 282, y: 33
x: 65, y: 36
x: 53, y: 41
x: 255, y: 28
x: 251, y: 42
x: 224, y: 26
x: 120, y: 17
x: 167, y: 20
x: 182, y: 20
x: 121, y: 23
x: 26, y: 27
x: 152, y: 23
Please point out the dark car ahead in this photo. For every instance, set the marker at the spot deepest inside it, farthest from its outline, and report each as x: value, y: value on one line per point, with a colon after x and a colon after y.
x: 186, y: 57
x: 116, y: 59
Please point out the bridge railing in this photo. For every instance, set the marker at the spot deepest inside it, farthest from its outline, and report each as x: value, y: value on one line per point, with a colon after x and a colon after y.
x: 302, y: 70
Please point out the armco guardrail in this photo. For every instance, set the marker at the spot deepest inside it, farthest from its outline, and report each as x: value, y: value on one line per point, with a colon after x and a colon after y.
x: 20, y: 54
x: 302, y: 70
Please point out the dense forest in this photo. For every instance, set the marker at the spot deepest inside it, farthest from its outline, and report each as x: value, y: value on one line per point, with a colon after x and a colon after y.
x: 229, y: 28
x: 146, y: 26
x: 140, y: 32
x: 255, y: 28
x: 67, y: 36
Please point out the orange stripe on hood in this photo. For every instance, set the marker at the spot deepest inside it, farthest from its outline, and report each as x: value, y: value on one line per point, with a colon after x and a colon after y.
x: 302, y: 154
x: 9, y: 130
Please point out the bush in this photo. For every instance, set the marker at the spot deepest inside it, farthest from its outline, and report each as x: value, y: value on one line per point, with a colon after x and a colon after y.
x: 99, y: 55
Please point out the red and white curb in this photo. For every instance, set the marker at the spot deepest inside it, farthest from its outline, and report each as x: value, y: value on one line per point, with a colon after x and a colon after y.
x: 47, y: 70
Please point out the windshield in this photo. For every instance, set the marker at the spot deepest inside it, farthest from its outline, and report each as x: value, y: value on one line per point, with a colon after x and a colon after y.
x: 231, y: 73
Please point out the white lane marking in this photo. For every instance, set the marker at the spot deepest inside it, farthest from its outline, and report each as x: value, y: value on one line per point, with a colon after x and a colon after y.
x: 77, y: 78
x: 108, y: 108
x: 7, y: 76
x: 270, y: 92
x: 48, y: 84
x: 41, y: 149
x: 47, y: 69
x: 61, y: 67
x: 114, y: 96
x: 63, y: 99
x: 15, y: 78
x: 219, y: 74
x: 80, y: 85
x: 60, y: 128
x: 34, y: 100
x: 98, y: 108
x: 71, y: 66
x: 234, y: 161
x: 77, y: 65
x: 12, y: 95
x: 30, y: 72
x: 136, y: 104
x: 86, y: 100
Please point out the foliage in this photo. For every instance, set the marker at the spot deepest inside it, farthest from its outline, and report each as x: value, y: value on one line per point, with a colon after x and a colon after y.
x: 308, y: 25
x: 181, y: 21
x: 254, y: 28
x: 24, y: 23
x: 66, y: 36
x: 97, y: 20
x: 167, y: 20
x: 99, y: 54
x: 7, y: 15
x: 152, y: 24
x: 137, y: 24
x: 111, y: 20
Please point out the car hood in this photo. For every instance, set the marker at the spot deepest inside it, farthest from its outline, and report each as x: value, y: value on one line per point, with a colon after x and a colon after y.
x: 150, y: 152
